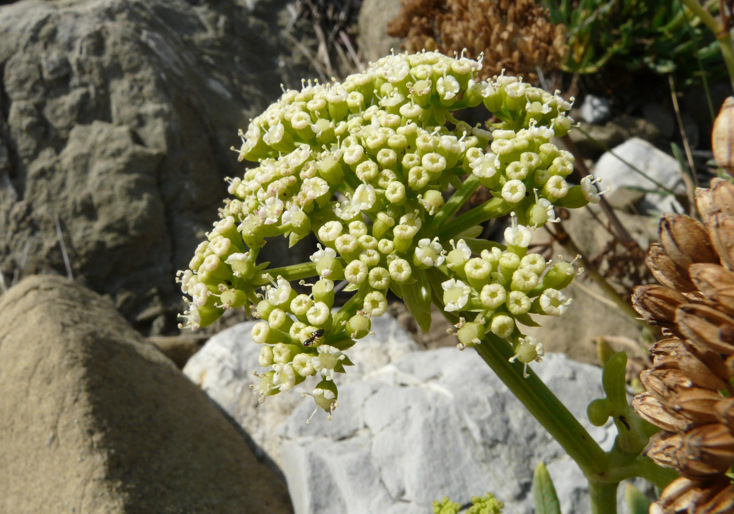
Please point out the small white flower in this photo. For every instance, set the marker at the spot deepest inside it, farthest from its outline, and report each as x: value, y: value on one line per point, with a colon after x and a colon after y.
x: 461, y: 246
x: 553, y: 302
x: 375, y: 304
x: 430, y: 253
x: 447, y: 87
x: 433, y: 162
x: 271, y: 211
x: 502, y: 326
x: 518, y: 303
x: 322, y: 252
x: 318, y: 314
x: 327, y: 361
x: 266, y: 356
x: 485, y: 166
x: 314, y: 187
x: 281, y: 293
x: 455, y: 294
x: 303, y: 364
x: 518, y: 235
x: 589, y: 189
x: 514, y: 191
x: 492, y: 296
x: 346, y: 210
x: 220, y: 245
x: 284, y: 376
x: 557, y: 187
x: 400, y: 270
x: 355, y: 272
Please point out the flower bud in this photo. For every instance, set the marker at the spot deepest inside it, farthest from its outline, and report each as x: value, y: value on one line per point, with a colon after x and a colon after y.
x: 358, y: 326
x: 470, y: 334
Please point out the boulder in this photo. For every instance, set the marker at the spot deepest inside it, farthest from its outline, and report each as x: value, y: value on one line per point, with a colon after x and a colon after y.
x: 409, y: 428
x: 115, y: 135
x: 662, y: 174
x: 95, y: 419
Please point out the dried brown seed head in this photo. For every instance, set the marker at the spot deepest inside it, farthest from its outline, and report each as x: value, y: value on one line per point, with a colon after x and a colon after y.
x: 666, y: 271
x: 721, y: 230
x: 685, y: 240
x: 722, y: 136
x: 703, y: 326
x: 657, y: 304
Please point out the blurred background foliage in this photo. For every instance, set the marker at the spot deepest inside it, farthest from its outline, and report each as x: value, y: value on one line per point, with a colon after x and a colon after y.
x: 660, y: 35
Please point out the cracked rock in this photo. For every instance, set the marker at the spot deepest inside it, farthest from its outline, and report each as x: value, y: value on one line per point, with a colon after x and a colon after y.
x: 116, y: 120
x: 411, y: 426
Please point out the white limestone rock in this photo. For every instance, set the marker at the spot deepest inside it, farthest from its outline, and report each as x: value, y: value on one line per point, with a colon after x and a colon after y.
x: 224, y: 369
x: 615, y: 173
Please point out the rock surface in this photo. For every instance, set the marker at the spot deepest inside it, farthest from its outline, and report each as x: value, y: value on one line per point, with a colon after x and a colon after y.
x: 94, y: 419
x: 117, y: 119
x: 224, y: 369
x: 374, y: 42
x: 426, y: 424
x: 614, y: 170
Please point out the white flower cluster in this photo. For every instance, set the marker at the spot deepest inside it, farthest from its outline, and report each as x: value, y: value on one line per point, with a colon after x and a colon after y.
x: 366, y: 165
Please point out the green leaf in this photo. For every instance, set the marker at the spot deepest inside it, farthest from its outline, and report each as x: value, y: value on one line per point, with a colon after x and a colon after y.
x: 613, y: 380
x: 637, y: 503
x: 544, y: 494
x: 417, y: 298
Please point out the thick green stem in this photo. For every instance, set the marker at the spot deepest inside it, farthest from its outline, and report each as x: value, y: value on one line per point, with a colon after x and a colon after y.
x: 535, y: 395
x: 292, y: 272
x: 603, y: 497
x: 544, y: 406
x: 493, y: 208
x: 456, y: 201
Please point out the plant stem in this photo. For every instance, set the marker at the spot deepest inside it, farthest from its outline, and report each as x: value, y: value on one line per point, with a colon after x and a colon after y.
x: 722, y: 35
x: 456, y: 201
x: 544, y: 406
x: 490, y: 209
x: 603, y: 497
x: 291, y: 272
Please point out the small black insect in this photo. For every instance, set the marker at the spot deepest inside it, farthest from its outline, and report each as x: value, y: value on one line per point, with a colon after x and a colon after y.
x: 314, y: 335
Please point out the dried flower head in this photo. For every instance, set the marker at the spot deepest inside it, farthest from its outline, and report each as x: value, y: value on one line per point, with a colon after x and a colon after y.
x: 689, y: 386
x: 512, y: 35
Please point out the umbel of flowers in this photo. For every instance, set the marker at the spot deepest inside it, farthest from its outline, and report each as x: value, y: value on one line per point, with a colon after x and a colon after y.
x: 377, y: 167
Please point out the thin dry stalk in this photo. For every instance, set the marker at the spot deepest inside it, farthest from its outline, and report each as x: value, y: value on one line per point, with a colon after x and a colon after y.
x: 690, y: 186
x: 62, y: 244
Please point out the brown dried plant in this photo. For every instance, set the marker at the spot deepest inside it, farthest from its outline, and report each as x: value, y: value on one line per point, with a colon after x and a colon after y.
x: 514, y: 35
x: 689, y: 393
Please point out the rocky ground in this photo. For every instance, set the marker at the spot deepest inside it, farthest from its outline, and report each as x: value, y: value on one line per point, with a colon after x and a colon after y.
x: 117, y: 119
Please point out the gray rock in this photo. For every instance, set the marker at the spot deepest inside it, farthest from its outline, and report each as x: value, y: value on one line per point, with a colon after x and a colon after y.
x: 612, y: 133
x: 409, y: 429
x: 374, y: 42
x: 118, y: 119
x: 615, y: 171
x: 224, y: 369
x: 94, y: 419
x: 432, y: 424
x: 595, y: 109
